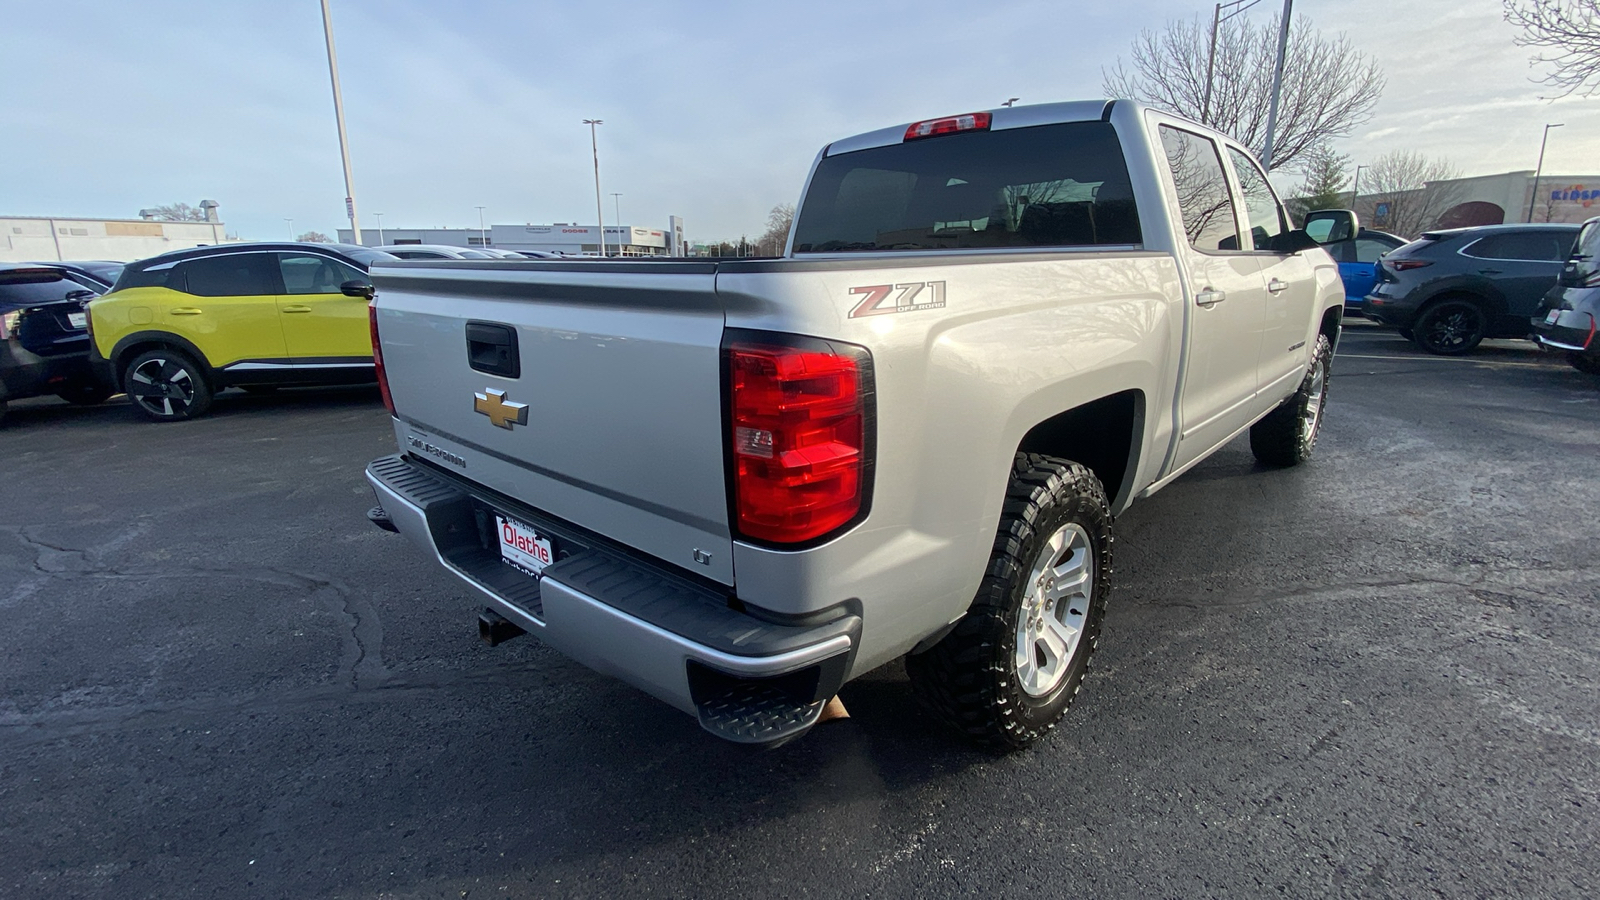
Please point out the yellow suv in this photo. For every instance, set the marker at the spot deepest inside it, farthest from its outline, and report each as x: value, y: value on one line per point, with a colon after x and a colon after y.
x: 178, y: 327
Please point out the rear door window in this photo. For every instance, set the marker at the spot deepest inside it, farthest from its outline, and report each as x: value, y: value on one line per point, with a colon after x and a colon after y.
x: 1203, y: 196
x: 1060, y: 185
x: 1368, y: 250
x: 232, y: 275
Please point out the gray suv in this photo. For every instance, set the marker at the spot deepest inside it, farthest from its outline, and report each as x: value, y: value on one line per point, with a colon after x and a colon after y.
x: 1448, y: 290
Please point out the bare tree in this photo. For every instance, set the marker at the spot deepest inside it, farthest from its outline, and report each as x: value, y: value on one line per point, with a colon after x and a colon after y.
x: 1329, y: 88
x: 776, y: 237
x: 178, y: 212
x: 314, y: 237
x: 1411, y: 190
x: 1567, y: 32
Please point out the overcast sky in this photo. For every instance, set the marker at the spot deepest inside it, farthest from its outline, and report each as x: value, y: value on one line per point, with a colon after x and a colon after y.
x: 713, y: 110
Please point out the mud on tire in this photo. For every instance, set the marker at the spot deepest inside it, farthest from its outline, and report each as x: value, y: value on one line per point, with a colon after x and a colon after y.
x: 975, y: 679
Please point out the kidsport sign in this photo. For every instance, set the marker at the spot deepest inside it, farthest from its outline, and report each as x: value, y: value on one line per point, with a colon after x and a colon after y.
x: 1576, y: 194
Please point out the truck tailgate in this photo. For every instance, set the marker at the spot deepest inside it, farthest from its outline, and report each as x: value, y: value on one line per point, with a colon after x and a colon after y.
x: 621, y: 375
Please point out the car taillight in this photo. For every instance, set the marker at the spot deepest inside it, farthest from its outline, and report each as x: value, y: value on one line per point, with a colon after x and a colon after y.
x: 1400, y: 265
x: 948, y: 125
x: 377, y: 358
x: 800, y: 415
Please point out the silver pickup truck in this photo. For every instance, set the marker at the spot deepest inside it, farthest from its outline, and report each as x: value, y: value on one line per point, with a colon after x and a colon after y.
x: 738, y: 484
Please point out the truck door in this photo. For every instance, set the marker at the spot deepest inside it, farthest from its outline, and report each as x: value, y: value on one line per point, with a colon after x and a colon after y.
x: 1291, y: 285
x: 1226, y: 295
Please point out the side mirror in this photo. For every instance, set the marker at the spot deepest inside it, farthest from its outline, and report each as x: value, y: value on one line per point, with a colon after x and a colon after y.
x: 1329, y: 226
x: 353, y: 288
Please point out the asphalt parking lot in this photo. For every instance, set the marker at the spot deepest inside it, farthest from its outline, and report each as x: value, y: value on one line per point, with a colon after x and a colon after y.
x: 1375, y: 675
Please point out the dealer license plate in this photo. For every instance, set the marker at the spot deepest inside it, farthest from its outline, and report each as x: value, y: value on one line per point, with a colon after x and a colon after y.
x: 523, y: 547
x: 78, y: 320
x: 1551, y: 317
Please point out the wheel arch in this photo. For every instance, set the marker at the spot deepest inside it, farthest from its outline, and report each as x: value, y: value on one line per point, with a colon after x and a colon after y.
x: 1104, y: 435
x: 140, y: 341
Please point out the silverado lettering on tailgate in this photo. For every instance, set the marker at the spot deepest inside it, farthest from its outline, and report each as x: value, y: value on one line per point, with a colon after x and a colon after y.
x: 435, y: 452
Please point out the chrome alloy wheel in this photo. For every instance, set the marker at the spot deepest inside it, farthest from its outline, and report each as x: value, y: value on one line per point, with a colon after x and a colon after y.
x: 162, y: 386
x: 1316, y: 390
x: 1054, y: 610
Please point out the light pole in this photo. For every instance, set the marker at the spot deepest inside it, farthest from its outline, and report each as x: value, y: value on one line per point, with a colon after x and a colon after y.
x: 338, y: 113
x: 1277, y: 84
x: 291, y: 228
x: 483, y: 236
x: 1355, y: 189
x: 1540, y: 170
x: 1234, y: 7
x: 599, y: 214
x: 616, y: 197
x: 1011, y: 102
x: 379, y: 217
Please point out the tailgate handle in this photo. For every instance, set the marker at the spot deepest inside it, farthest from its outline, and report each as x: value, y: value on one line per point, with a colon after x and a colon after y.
x: 492, y: 349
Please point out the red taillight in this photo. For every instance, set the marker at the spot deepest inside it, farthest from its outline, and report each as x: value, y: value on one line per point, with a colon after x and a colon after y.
x: 1400, y: 265
x: 377, y: 358
x: 948, y: 125
x: 801, y: 466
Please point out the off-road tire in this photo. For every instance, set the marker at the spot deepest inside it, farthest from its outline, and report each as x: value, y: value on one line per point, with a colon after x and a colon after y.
x: 969, y: 679
x: 1589, y: 365
x: 85, y: 394
x: 152, y: 370
x: 1288, y: 434
x: 1451, y: 327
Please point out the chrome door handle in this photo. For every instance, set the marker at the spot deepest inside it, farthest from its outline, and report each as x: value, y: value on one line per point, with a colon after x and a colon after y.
x: 185, y: 311
x: 1276, y: 287
x: 294, y: 309
x: 1209, y: 297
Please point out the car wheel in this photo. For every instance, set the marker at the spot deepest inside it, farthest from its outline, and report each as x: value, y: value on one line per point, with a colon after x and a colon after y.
x: 1013, y: 664
x: 1451, y: 327
x: 85, y: 394
x: 167, y: 386
x: 1287, y: 435
x: 1584, y: 363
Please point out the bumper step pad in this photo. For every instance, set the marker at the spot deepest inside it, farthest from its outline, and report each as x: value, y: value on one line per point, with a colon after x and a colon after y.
x: 755, y: 713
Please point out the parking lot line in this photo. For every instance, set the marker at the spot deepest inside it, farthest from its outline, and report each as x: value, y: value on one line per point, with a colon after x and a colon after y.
x: 1481, y: 362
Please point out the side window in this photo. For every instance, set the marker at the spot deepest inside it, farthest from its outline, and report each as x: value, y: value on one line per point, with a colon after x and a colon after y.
x: 1203, y: 197
x: 232, y: 275
x: 1368, y: 250
x: 308, y: 273
x: 1266, y: 219
x: 1529, y: 246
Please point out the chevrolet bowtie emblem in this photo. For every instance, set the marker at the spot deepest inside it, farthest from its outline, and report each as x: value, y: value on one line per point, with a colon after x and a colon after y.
x: 492, y: 403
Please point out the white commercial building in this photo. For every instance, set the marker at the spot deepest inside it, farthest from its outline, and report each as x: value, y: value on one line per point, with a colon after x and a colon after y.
x: 48, y: 238
x: 573, y: 240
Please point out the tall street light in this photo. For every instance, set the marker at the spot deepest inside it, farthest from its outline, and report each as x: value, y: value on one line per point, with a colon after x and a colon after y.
x: 1277, y: 84
x: 291, y: 228
x: 483, y: 236
x: 338, y: 113
x: 379, y: 217
x: 616, y: 197
x: 1540, y: 170
x: 1011, y: 102
x: 598, y: 212
x: 1355, y: 189
x: 1234, y: 7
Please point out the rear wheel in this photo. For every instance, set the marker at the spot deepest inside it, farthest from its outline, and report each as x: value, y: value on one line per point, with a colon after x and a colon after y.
x: 1011, y: 667
x: 1451, y: 327
x: 1584, y: 363
x: 167, y: 386
x: 85, y: 394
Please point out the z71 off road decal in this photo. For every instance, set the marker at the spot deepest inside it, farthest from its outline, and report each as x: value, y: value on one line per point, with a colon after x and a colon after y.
x: 911, y: 297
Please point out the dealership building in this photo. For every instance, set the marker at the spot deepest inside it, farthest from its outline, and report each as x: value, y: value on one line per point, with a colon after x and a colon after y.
x: 1496, y: 199
x: 51, y: 238
x: 572, y: 240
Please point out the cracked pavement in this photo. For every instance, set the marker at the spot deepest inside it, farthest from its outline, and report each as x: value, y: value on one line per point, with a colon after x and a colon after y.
x: 1375, y: 675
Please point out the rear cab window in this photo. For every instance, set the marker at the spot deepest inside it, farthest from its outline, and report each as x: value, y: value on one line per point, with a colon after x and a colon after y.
x: 1063, y: 185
